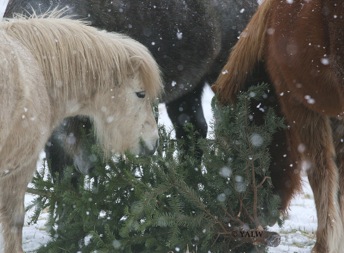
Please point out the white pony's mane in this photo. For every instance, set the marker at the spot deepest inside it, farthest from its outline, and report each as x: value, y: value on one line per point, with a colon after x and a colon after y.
x: 98, y: 57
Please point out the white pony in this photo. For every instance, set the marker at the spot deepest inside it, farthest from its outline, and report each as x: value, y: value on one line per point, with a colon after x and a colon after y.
x: 52, y: 68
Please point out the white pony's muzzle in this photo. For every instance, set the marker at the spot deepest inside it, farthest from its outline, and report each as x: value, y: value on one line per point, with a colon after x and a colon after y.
x: 148, y: 149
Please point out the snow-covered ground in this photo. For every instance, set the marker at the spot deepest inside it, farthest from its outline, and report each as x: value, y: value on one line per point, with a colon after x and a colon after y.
x: 297, y: 232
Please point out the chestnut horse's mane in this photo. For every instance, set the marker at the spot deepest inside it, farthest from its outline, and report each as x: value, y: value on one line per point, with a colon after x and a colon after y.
x: 244, y: 56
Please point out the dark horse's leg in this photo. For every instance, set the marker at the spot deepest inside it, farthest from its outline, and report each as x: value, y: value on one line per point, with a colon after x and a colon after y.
x: 188, y: 110
x: 57, y: 159
x: 284, y: 172
x: 70, y: 145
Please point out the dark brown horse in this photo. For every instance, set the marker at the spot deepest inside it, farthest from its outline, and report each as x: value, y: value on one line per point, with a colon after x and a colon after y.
x: 189, y: 40
x: 301, y: 44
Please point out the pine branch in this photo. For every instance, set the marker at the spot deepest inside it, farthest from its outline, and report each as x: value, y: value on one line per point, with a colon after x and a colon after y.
x: 263, y: 181
x: 38, y: 192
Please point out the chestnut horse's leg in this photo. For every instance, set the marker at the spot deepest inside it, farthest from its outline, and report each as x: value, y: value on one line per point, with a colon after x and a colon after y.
x: 12, y: 211
x: 338, y: 134
x: 285, y: 174
x: 311, y: 137
x: 338, y: 138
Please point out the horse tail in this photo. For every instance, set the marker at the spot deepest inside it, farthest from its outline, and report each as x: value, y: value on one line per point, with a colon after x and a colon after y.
x: 244, y: 56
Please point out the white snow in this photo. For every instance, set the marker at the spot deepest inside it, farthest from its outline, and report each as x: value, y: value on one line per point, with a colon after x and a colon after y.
x: 297, y: 232
x: 3, y: 6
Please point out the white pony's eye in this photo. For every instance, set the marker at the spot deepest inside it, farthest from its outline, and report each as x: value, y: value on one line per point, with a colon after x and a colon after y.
x: 141, y: 94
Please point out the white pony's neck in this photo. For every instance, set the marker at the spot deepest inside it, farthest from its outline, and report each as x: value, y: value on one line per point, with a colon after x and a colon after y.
x: 3, y: 6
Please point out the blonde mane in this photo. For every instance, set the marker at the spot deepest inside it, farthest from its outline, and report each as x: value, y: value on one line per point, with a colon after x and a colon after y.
x: 110, y: 51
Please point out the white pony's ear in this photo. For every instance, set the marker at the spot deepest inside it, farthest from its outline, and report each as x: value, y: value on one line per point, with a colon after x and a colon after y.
x: 136, y: 64
x: 3, y: 6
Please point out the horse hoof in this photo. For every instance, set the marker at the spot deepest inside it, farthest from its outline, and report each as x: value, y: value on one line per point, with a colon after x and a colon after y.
x: 318, y: 248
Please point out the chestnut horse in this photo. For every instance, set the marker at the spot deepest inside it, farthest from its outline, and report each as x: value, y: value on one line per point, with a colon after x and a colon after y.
x: 52, y: 68
x: 302, y: 46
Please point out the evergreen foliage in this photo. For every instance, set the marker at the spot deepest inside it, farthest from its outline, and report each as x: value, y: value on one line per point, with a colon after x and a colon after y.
x: 171, y: 201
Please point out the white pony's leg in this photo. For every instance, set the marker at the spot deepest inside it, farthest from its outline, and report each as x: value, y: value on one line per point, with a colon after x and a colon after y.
x: 12, y: 211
